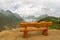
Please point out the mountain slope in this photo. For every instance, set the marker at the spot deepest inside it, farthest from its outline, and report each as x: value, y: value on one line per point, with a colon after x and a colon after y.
x: 9, y: 20
x: 55, y: 20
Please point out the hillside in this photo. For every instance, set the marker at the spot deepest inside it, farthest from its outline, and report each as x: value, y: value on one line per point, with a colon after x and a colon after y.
x: 55, y: 20
x: 9, y: 20
x: 15, y: 34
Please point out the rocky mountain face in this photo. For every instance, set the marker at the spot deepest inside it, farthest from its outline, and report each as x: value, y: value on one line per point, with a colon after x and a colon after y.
x: 7, y: 17
x: 9, y: 20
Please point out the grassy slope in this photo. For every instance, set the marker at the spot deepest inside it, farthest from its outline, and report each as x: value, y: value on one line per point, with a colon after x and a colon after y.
x: 56, y: 22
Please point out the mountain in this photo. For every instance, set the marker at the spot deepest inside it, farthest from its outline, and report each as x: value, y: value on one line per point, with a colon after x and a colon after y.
x: 30, y: 17
x: 9, y: 20
x: 55, y: 20
x: 41, y: 17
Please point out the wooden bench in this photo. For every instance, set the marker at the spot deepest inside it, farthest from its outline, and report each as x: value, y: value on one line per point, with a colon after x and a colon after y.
x: 44, y: 26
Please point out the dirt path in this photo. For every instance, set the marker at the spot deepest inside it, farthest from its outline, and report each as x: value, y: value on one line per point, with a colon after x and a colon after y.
x: 17, y: 35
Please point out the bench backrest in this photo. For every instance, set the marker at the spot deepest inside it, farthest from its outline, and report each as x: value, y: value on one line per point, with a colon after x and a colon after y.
x: 33, y: 24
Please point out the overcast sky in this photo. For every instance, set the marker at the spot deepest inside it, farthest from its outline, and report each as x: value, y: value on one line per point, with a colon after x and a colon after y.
x: 32, y: 7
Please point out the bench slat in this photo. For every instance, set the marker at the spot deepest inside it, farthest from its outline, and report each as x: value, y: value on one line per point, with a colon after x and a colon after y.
x: 32, y: 29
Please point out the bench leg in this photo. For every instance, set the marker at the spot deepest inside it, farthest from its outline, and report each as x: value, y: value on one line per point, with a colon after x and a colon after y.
x: 25, y: 34
x: 45, y: 32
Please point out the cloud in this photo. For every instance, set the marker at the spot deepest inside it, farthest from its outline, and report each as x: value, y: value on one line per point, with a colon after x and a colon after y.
x: 7, y: 4
x: 32, y: 7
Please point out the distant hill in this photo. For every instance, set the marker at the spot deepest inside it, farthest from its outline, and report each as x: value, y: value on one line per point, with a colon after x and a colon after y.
x: 30, y: 18
x: 41, y: 17
x: 55, y: 20
x: 7, y: 18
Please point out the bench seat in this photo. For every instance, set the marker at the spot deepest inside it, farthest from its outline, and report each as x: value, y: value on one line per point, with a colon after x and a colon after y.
x: 32, y: 29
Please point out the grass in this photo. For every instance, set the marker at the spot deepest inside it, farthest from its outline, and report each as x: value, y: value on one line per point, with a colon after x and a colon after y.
x: 55, y: 26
